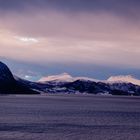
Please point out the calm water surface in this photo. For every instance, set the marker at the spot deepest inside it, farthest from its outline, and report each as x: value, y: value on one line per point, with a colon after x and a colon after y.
x: 69, y: 117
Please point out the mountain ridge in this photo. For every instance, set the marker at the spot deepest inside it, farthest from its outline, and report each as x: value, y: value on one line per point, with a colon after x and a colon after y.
x: 65, y: 83
x: 65, y: 77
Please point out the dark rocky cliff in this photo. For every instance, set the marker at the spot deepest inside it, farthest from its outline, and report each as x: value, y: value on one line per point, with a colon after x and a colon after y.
x: 8, y: 85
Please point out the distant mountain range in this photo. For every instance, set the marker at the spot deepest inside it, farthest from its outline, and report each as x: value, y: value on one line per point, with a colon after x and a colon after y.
x: 65, y: 83
x: 65, y: 77
x: 117, y: 85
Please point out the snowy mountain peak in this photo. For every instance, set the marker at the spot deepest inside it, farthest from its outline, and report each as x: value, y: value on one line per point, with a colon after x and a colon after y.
x: 64, y: 77
x: 122, y: 78
x: 61, y: 77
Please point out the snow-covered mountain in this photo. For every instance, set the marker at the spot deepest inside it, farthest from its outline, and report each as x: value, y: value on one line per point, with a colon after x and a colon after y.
x: 123, y: 79
x: 65, y: 83
x: 64, y: 77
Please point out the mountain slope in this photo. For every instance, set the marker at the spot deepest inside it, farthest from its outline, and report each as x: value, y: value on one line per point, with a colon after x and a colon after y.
x: 123, y: 79
x: 8, y: 85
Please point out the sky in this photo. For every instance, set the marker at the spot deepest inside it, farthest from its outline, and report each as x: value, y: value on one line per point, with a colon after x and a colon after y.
x: 93, y: 38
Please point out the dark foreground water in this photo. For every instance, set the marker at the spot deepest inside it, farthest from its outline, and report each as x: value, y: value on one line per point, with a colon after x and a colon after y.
x: 69, y: 118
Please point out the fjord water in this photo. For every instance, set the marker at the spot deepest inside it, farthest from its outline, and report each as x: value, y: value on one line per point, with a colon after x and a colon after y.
x: 69, y: 117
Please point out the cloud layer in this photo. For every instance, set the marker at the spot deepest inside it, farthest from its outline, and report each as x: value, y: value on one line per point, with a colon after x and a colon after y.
x: 71, y: 32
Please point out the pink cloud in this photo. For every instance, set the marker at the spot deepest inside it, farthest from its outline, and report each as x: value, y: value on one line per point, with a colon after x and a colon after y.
x: 100, y: 38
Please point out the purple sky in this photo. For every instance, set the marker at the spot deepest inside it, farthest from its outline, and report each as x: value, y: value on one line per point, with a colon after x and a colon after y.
x: 95, y: 38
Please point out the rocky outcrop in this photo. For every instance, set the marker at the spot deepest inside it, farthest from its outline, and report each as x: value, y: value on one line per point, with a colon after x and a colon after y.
x: 8, y: 85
